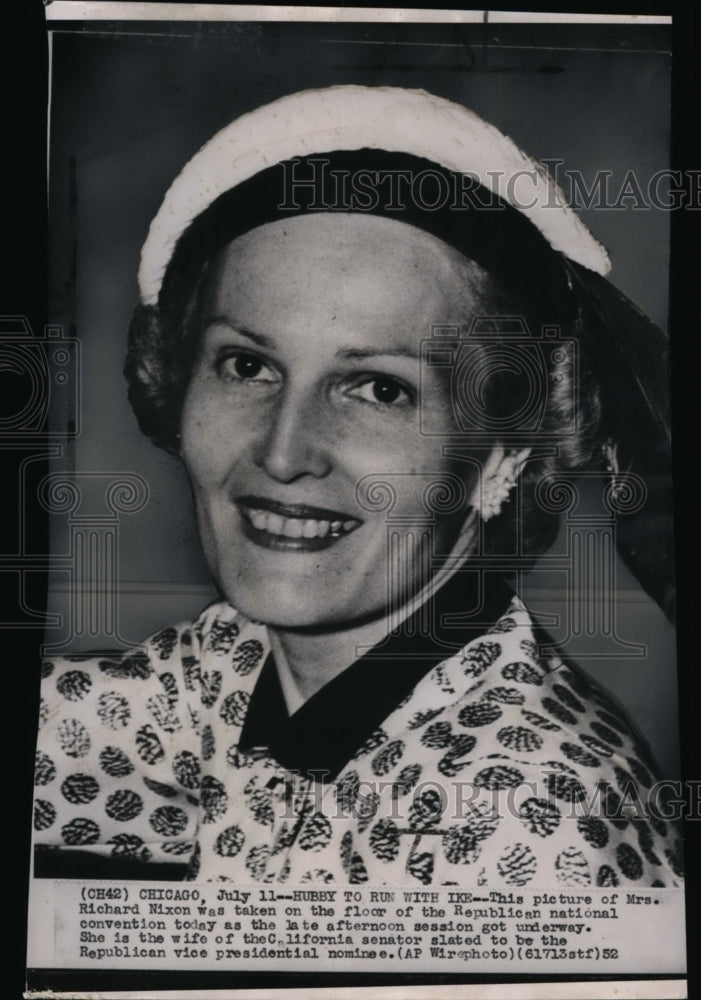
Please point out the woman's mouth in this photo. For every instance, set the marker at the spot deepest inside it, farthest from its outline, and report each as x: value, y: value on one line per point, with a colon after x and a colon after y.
x: 295, y: 527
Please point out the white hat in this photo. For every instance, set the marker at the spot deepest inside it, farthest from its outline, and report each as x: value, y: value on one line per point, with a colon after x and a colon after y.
x: 351, y: 117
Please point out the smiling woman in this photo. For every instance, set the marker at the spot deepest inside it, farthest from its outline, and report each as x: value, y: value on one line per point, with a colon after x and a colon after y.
x: 371, y: 394
x: 313, y: 360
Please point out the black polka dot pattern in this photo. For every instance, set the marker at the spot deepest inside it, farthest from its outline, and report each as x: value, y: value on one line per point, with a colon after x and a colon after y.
x: 572, y: 868
x: 612, y: 721
x: 215, y: 801
x: 577, y: 754
x: 540, y: 721
x: 176, y: 848
x: 463, y: 844
x: 186, y: 768
x: 160, y: 708
x: 529, y: 649
x: 256, y: 862
x: 44, y: 769
x: 44, y: 814
x: 523, y: 673
x: 517, y: 865
x: 539, y: 816
x: 168, y: 821
x: 646, y: 841
x: 316, y: 833
x: 565, y: 787
x: 567, y: 698
x: 352, y: 863
x: 427, y: 808
x: 80, y: 831
x: 559, y: 712
x: 606, y: 877
x: 503, y: 768
x: 233, y: 708
x: 498, y: 776
x: 74, y: 685
x: 366, y: 810
x: 406, y: 780
x: 247, y: 656
x: 629, y: 861
x: 259, y: 801
x: 208, y: 744
x: 346, y: 791
x: 148, y: 745
x: 114, y: 762
x: 480, y: 714
x: 191, y: 672
x: 420, y: 867
x: 229, y: 842
x: 384, y: 840
x: 594, y: 831
x: 128, y: 845
x: 507, y: 695
x: 606, y: 734
x: 318, y: 875
x: 595, y: 745
x: 421, y: 718
x: 521, y: 739
x: 113, y: 710
x: 79, y: 789
x: 210, y: 687
x: 387, y: 758
x: 161, y: 789
x: 164, y: 642
x: 438, y: 734
x: 450, y: 764
x: 221, y: 637
x: 73, y: 738
x: 481, y: 655
x: 195, y: 863
x: 124, y: 805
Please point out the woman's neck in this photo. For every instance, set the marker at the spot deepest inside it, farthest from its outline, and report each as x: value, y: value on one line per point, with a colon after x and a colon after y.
x: 314, y: 658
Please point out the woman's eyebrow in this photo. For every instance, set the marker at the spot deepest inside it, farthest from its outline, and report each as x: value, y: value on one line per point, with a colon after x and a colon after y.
x: 359, y: 354
x: 257, y: 338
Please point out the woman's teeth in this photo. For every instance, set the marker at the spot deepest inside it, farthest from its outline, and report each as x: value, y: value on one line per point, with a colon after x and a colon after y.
x: 296, y: 527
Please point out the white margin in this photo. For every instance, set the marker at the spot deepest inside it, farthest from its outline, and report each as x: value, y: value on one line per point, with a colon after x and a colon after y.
x: 91, y: 10
x: 638, y: 989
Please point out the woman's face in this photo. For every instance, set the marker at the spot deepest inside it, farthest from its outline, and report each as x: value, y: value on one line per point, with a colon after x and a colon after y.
x: 309, y: 379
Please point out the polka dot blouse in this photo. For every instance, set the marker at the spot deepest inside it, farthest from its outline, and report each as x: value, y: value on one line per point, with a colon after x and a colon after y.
x: 498, y: 767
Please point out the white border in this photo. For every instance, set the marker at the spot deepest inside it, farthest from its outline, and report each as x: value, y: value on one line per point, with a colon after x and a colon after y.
x: 71, y: 10
x: 639, y: 989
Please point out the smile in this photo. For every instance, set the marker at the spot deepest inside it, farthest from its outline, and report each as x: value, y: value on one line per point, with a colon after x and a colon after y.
x: 295, y: 527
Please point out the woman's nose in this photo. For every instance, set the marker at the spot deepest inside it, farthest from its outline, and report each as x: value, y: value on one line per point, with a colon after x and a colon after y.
x: 293, y: 444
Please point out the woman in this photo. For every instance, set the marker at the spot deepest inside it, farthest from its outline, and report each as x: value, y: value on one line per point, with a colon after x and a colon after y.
x: 341, y: 334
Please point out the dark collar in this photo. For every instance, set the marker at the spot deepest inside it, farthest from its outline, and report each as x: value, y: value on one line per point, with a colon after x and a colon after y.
x: 322, y: 735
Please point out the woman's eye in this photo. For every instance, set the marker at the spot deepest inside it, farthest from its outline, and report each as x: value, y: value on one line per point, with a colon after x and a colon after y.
x: 244, y: 367
x: 384, y: 390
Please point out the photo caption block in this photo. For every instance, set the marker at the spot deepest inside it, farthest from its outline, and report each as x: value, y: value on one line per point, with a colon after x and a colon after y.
x: 137, y: 925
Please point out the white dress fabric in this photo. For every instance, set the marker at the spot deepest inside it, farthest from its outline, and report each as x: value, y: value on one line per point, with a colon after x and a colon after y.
x: 500, y: 769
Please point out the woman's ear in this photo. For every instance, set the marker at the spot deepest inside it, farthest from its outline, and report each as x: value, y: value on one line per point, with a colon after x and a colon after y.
x: 497, y: 478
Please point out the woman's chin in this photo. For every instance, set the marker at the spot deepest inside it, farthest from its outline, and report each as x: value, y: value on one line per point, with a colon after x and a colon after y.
x: 290, y: 608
